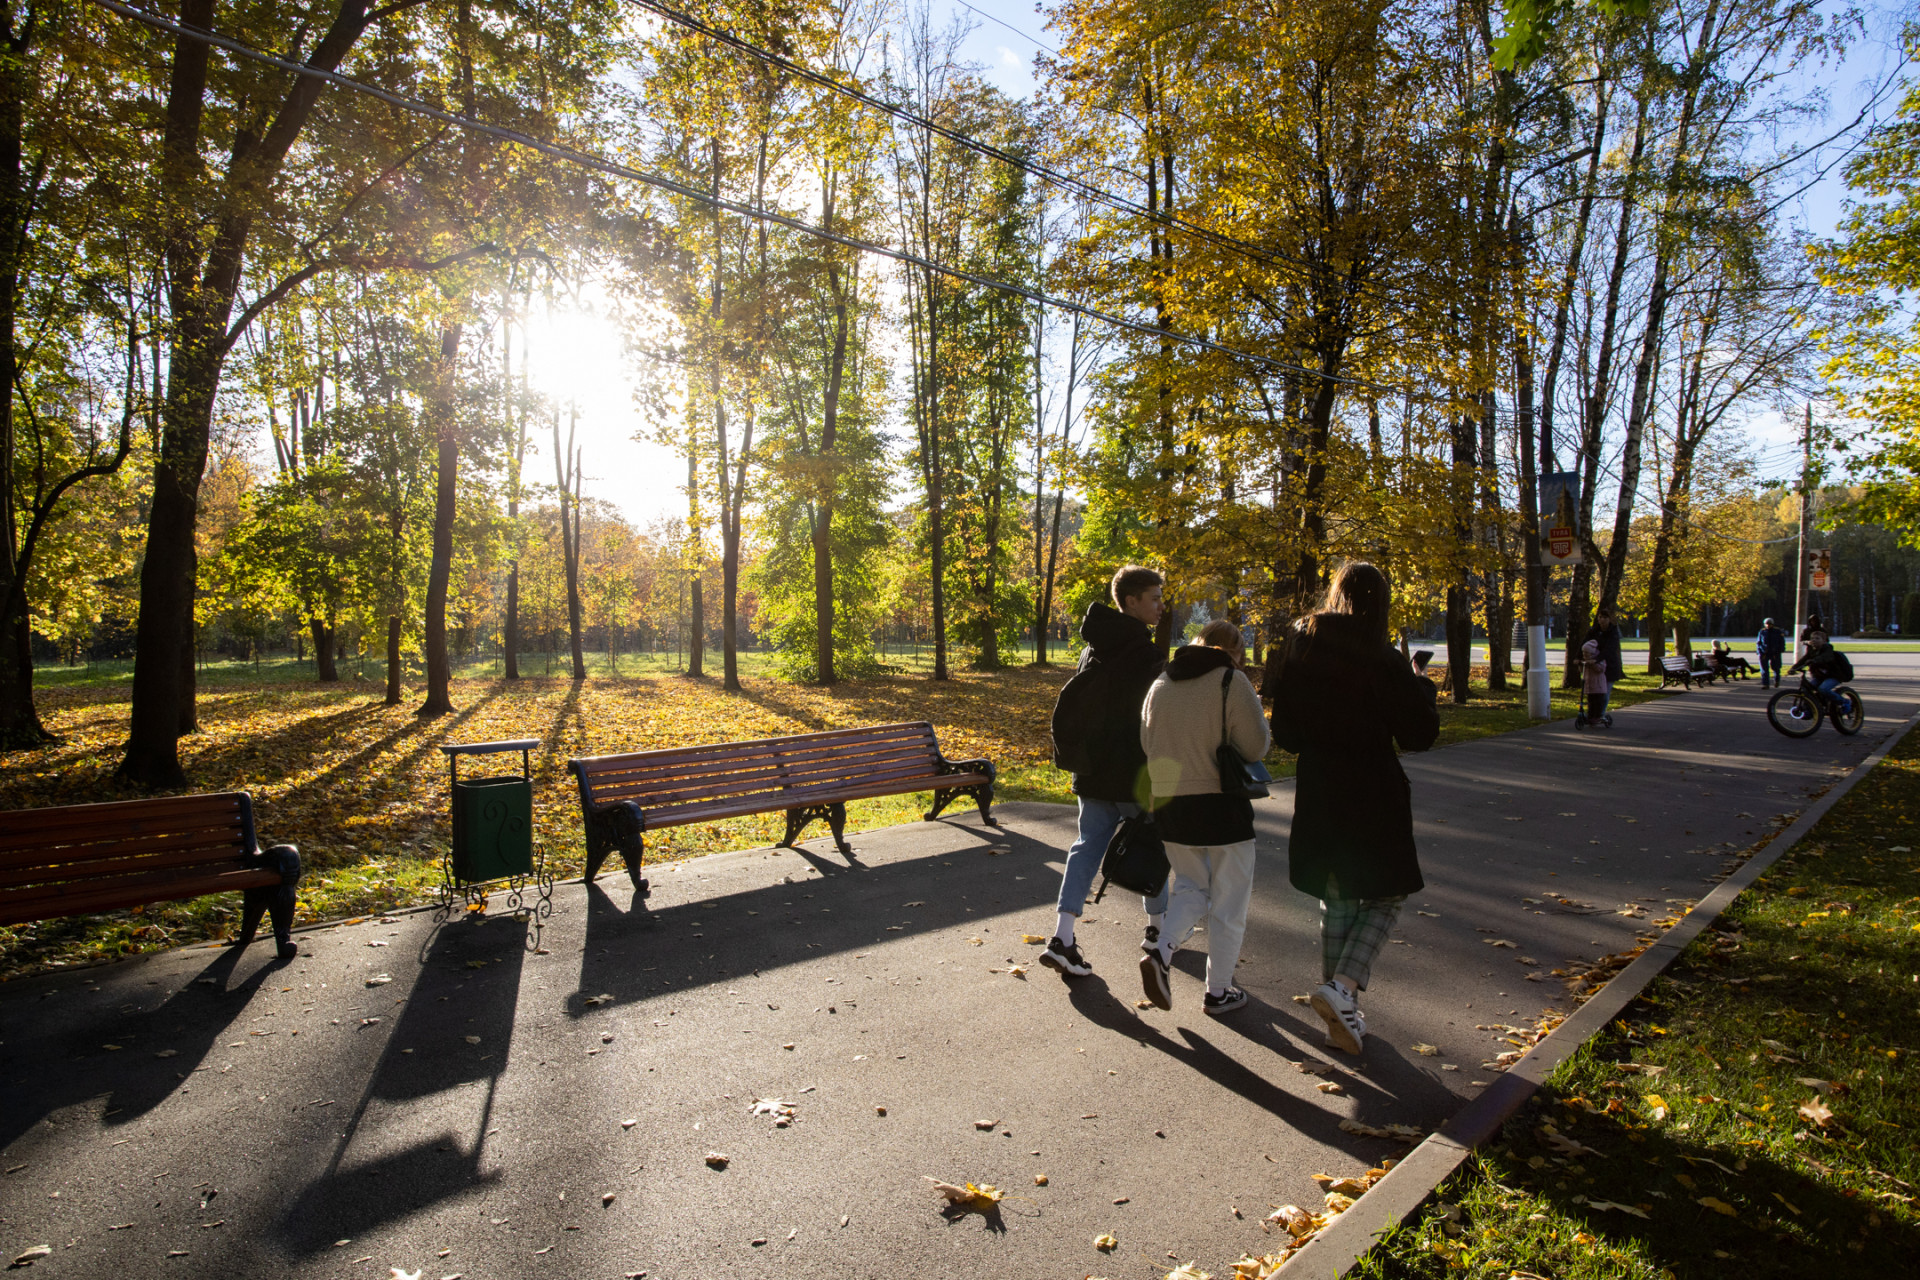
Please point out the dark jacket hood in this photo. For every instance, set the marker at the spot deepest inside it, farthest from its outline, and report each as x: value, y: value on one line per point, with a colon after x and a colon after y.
x: 1108, y: 631
x: 1191, y: 661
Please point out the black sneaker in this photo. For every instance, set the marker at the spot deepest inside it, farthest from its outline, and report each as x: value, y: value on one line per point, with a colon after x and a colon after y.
x: 1152, y: 941
x: 1154, y: 980
x: 1065, y: 957
x: 1226, y: 1002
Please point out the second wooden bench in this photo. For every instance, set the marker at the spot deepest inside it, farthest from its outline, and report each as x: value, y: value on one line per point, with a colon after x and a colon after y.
x: 809, y: 775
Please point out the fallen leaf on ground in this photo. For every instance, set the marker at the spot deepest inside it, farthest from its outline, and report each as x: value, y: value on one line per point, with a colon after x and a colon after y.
x: 1402, y: 1132
x: 1032, y: 939
x: 999, y: 848
x: 379, y: 980
x: 1617, y: 1208
x: 599, y: 999
x: 718, y: 1159
x: 1296, y: 1220
x: 32, y: 1255
x: 1313, y: 1067
x: 1816, y: 1111
x: 1718, y: 1206
x: 976, y: 942
x: 1330, y: 1086
x: 1338, y: 1202
x: 985, y: 1124
x: 1188, y: 1271
x: 1303, y: 999
x: 1039, y: 1179
x: 1656, y: 1106
x: 981, y: 1199
x: 1496, y: 942
x: 1143, y: 1004
x: 1105, y: 1243
x: 1427, y: 1050
x: 1349, y: 1186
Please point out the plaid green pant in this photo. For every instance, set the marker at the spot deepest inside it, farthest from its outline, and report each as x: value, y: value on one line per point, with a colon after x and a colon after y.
x: 1352, y: 931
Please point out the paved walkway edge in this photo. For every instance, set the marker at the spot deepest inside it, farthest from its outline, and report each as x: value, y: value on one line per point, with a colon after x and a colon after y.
x: 1330, y: 1255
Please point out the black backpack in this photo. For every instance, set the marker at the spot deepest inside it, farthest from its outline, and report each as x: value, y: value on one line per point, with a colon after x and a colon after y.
x: 1077, y: 717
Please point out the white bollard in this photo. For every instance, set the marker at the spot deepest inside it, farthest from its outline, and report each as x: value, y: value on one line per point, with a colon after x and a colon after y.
x: 1539, y: 691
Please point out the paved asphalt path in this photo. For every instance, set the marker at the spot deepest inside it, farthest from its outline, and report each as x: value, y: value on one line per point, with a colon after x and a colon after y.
x: 198, y: 1113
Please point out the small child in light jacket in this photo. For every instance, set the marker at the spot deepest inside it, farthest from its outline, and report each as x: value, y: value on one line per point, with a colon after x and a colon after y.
x: 1594, y: 685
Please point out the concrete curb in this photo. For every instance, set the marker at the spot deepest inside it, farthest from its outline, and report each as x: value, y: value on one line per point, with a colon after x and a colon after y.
x: 1335, y: 1250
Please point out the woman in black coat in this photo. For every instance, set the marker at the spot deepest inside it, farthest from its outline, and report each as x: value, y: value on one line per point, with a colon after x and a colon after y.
x: 1345, y: 696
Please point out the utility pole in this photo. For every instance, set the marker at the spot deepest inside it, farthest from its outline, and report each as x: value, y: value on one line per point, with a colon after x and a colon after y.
x: 1806, y: 514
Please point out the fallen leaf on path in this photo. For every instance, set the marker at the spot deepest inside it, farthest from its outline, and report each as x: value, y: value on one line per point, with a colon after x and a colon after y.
x: 1032, y: 939
x: 718, y: 1159
x: 32, y: 1255
x: 1330, y: 1086
x: 1303, y: 999
x: 976, y: 942
x: 1431, y: 914
x: 980, y: 1199
x: 1039, y: 1179
x: 379, y: 980
x: 1105, y: 1243
x: 1296, y: 1220
x: 1338, y: 1202
x: 1348, y: 1186
x: 995, y: 849
x: 1496, y: 942
x: 1401, y: 1132
x: 985, y: 1124
x: 599, y: 999
x: 1427, y: 1050
x: 1188, y: 1271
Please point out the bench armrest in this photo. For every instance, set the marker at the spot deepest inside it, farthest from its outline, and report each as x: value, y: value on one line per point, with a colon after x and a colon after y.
x: 945, y: 766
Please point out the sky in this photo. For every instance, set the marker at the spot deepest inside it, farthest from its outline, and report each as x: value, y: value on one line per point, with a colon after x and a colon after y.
x: 581, y: 360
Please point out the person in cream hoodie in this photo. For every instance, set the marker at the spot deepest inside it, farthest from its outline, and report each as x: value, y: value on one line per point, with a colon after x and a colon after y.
x: 1203, y: 699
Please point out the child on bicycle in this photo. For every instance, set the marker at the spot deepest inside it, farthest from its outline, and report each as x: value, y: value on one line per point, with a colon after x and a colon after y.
x: 1828, y: 667
x: 1595, y: 685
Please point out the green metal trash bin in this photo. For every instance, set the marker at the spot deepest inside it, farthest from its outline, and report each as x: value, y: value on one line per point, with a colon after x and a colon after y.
x: 492, y: 828
x: 493, y: 831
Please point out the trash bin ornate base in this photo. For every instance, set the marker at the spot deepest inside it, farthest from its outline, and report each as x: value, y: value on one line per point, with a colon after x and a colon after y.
x: 493, y: 846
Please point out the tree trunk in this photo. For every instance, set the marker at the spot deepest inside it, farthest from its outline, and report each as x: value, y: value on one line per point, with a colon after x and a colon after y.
x: 566, y: 470
x: 936, y: 483
x: 326, y: 670
x: 823, y: 504
x: 394, y: 691
x: 440, y: 573
x: 510, y: 631
x: 203, y: 278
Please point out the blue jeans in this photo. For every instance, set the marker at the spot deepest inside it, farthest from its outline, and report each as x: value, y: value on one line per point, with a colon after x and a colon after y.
x: 1769, y: 662
x: 1099, y: 819
x: 1827, y: 688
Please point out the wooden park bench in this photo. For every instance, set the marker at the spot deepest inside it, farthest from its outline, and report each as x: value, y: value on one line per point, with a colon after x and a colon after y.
x: 87, y: 858
x: 1675, y: 669
x: 810, y: 775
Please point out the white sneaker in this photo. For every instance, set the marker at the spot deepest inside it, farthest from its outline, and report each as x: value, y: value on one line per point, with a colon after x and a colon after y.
x: 1345, y: 1028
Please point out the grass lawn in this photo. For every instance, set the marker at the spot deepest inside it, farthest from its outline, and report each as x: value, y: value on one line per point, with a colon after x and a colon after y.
x: 361, y: 787
x: 1754, y: 1115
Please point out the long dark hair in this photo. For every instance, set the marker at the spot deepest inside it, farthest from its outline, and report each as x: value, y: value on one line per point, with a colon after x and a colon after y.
x: 1360, y: 591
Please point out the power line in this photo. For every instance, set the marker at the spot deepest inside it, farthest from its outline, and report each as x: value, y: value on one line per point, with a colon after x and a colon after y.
x: 614, y: 169
x: 1009, y: 26
x: 1086, y: 190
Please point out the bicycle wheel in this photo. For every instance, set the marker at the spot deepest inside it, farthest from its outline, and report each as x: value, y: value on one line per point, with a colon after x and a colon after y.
x: 1794, y: 713
x: 1850, y: 723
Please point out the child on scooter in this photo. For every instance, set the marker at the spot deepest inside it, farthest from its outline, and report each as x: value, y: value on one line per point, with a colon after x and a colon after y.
x: 1595, y: 686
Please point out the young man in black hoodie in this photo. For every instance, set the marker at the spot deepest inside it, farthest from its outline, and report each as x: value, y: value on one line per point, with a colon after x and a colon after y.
x: 1120, y: 642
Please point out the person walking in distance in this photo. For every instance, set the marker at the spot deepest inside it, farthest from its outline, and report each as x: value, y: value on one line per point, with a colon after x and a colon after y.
x: 1344, y: 697
x: 1096, y: 736
x: 1607, y: 631
x: 1202, y: 701
x: 1769, y: 645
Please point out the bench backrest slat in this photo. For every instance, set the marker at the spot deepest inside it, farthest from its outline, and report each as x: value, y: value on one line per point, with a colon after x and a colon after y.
x: 728, y: 775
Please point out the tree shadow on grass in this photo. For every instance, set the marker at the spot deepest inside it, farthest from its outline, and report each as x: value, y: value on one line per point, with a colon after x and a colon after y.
x: 1782, y: 1223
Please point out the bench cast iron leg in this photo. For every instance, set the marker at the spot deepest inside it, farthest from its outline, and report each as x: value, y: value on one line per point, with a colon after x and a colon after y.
x: 620, y: 829
x: 834, y: 814
x: 275, y: 901
x: 981, y: 794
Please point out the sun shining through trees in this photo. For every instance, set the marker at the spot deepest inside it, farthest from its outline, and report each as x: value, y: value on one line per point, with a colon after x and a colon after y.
x: 786, y: 338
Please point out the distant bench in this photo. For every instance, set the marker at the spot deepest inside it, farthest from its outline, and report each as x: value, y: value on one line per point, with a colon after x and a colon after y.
x: 1675, y: 669
x: 810, y: 775
x: 87, y: 858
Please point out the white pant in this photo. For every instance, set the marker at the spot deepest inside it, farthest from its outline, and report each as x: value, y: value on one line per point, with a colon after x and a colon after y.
x: 1212, y: 883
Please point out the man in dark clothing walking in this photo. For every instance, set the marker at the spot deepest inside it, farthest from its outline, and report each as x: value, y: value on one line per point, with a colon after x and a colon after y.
x: 1121, y: 661
x: 1607, y: 632
x: 1769, y: 645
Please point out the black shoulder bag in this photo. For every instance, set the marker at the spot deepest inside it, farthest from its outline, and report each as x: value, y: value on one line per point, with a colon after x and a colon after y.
x: 1136, y: 859
x: 1247, y: 779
